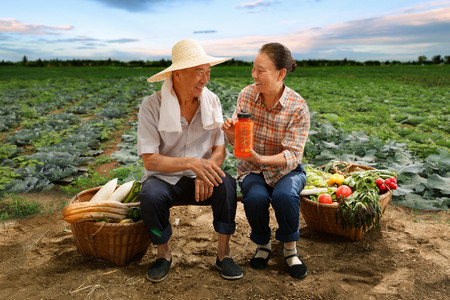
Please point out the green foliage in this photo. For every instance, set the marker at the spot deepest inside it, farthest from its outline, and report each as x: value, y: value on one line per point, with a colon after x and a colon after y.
x: 103, y: 160
x: 7, y: 175
x: 86, y: 182
x: 13, y: 206
x: 388, y: 116
x: 92, y: 179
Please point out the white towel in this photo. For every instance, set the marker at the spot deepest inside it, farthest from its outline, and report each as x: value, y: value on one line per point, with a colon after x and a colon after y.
x: 211, y: 110
x: 169, y: 115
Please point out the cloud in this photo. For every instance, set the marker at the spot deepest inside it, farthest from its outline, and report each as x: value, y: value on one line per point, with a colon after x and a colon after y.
x: 408, y: 34
x: 14, y: 26
x: 432, y: 25
x: 123, y: 41
x: 86, y: 48
x: 18, y: 52
x: 74, y: 40
x: 254, y: 5
x: 143, y: 5
x: 131, y: 5
x: 422, y: 6
x: 204, y: 31
x: 5, y: 38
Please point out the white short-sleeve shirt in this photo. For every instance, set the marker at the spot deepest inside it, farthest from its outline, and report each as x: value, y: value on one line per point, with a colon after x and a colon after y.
x: 193, y: 141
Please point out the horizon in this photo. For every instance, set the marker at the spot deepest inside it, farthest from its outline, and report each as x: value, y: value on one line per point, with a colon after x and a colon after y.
x: 168, y: 59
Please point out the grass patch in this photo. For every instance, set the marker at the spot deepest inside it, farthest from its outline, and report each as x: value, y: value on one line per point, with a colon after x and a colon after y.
x: 13, y: 206
x: 93, y: 179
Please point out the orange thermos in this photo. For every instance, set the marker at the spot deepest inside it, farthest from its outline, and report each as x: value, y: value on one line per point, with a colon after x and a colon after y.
x: 243, y: 134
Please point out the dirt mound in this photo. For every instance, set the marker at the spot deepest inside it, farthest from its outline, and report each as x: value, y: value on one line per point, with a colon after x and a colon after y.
x: 406, y: 257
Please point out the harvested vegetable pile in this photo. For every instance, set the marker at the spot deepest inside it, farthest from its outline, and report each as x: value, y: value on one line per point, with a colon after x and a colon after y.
x: 357, y: 195
x: 108, y: 205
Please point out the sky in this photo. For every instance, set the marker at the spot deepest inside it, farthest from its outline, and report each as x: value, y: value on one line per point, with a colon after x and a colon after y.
x: 147, y: 29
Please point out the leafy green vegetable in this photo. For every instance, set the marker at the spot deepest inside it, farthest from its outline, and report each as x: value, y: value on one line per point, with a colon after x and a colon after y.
x: 134, y: 213
x: 361, y: 209
x: 316, y: 177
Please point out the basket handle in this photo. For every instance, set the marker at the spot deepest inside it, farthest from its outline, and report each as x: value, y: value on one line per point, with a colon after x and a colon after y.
x: 95, y: 233
x: 92, y: 238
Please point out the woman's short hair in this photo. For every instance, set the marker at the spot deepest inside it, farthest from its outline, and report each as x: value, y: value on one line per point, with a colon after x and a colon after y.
x: 280, y: 55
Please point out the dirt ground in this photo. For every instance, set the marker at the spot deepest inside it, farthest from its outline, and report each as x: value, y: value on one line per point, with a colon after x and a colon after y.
x: 406, y: 257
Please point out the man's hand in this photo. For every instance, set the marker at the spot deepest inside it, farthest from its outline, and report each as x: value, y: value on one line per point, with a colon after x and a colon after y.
x: 228, y: 128
x: 202, y: 190
x: 207, y: 170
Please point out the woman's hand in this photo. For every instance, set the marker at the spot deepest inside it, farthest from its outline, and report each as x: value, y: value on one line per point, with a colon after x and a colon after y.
x: 266, y: 160
x: 228, y: 129
x: 254, y: 158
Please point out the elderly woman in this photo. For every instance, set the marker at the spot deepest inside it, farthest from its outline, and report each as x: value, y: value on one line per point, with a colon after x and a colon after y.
x: 273, y: 174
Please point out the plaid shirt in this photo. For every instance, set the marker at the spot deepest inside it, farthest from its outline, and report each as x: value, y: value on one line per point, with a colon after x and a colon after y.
x: 283, y: 128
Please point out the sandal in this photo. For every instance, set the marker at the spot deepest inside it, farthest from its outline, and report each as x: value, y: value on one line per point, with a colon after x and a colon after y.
x: 259, y: 263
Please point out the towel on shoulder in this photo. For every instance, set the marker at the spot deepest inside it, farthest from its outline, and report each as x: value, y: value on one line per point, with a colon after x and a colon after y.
x: 169, y: 115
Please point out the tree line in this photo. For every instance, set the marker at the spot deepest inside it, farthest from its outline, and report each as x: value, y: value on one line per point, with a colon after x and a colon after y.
x: 421, y: 60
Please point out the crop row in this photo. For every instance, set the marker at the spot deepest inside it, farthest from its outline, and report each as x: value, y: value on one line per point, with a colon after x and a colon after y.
x: 54, y: 148
x: 60, y: 125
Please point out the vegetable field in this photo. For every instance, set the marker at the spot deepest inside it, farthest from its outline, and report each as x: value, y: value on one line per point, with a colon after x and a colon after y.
x: 55, y: 123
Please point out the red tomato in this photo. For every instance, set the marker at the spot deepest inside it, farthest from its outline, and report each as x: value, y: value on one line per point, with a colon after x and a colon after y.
x: 343, y: 191
x: 325, y: 198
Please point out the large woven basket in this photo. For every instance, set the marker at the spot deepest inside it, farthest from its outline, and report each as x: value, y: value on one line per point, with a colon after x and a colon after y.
x: 323, y: 217
x: 115, y: 242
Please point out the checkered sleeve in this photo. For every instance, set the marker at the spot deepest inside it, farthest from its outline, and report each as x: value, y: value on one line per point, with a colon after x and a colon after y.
x: 295, y: 137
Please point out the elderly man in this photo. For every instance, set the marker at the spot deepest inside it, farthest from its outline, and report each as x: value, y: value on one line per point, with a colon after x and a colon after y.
x: 182, y: 148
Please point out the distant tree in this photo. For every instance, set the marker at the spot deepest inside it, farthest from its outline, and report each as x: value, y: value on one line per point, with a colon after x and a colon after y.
x: 436, y: 59
x: 24, y: 60
x: 447, y: 59
x: 422, y: 59
x: 372, y: 63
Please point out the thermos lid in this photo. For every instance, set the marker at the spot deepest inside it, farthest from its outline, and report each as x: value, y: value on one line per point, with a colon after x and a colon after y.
x: 244, y: 115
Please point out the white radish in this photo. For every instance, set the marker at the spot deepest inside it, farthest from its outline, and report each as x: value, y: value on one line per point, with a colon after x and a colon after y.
x: 121, y: 192
x: 105, y: 191
x: 308, y: 192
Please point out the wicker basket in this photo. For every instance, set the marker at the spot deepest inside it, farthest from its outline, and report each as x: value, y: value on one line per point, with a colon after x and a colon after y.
x: 114, y: 242
x: 322, y: 217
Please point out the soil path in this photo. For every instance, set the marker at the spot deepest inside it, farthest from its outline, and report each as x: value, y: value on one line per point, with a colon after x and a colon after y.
x: 406, y: 257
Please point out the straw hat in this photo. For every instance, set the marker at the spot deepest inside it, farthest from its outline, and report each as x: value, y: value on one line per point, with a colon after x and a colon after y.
x: 186, y: 54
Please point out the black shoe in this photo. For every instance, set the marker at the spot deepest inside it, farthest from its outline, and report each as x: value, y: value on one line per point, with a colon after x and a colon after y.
x: 159, y: 269
x: 229, y: 269
x: 259, y: 263
x: 297, y: 271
